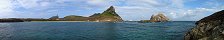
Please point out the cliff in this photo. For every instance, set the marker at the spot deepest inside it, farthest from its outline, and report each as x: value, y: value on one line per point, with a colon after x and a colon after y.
x: 208, y: 28
x: 107, y: 16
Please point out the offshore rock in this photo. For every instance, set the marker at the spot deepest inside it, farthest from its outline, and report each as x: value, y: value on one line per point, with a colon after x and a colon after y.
x: 208, y: 28
x: 156, y: 18
x: 159, y: 18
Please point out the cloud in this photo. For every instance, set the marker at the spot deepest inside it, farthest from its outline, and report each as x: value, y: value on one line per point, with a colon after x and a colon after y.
x: 28, y: 3
x: 192, y: 14
x: 134, y: 12
x: 33, y: 4
x: 143, y: 9
x: 6, y: 8
x: 96, y: 1
x: 127, y: 9
x: 143, y: 3
x: 178, y: 3
x: 103, y: 3
x: 174, y: 9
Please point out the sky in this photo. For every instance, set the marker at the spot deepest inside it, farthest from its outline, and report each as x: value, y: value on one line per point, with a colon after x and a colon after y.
x: 176, y: 10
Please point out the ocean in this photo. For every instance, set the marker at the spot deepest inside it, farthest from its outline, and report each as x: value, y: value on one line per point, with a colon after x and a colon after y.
x: 95, y: 30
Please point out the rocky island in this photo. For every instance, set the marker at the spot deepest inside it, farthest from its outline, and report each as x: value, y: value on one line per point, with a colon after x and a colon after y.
x: 157, y: 18
x: 107, y: 16
x: 208, y: 28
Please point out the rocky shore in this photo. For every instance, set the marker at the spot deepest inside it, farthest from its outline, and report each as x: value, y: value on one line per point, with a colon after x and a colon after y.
x: 208, y: 28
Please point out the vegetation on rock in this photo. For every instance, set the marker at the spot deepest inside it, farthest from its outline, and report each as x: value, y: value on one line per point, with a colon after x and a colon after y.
x: 75, y: 18
x: 208, y: 28
x: 107, y: 16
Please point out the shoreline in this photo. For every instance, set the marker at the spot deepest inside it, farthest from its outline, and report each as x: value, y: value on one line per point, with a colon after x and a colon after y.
x: 61, y: 21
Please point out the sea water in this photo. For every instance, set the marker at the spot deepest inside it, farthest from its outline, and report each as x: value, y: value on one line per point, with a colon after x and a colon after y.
x: 95, y: 30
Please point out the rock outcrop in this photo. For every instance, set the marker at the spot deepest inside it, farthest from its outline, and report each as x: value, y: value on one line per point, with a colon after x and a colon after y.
x: 156, y: 18
x: 107, y: 16
x: 208, y: 28
x: 159, y: 18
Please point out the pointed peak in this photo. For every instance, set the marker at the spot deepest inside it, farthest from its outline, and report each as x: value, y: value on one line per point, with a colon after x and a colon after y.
x: 111, y: 7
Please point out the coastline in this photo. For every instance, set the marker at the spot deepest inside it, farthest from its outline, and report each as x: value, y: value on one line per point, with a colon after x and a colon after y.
x: 61, y: 21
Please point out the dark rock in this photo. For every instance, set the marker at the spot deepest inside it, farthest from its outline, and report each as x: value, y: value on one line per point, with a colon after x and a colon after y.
x: 208, y: 28
x: 11, y: 20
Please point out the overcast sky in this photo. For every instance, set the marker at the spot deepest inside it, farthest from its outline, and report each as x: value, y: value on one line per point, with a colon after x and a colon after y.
x: 177, y: 10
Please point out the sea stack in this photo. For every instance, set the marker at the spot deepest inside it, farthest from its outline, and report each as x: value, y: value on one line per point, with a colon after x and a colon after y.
x: 208, y: 28
x: 160, y: 17
x: 107, y: 16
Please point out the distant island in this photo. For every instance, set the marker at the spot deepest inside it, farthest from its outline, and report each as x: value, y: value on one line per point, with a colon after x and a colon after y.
x: 160, y: 17
x: 107, y: 16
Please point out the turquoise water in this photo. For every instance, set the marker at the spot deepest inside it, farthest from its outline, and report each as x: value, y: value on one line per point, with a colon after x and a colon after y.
x: 94, y: 30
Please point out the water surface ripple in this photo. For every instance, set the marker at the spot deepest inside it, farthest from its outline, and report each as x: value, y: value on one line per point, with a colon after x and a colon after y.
x: 94, y: 30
